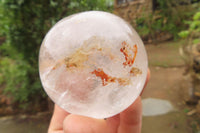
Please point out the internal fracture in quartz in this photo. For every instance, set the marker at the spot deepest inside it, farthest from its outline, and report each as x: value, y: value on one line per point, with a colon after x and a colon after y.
x: 93, y: 64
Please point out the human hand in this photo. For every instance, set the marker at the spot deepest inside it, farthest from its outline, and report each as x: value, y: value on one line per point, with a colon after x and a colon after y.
x: 128, y: 121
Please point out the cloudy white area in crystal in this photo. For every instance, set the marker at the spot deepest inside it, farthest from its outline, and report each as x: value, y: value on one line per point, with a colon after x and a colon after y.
x: 93, y: 64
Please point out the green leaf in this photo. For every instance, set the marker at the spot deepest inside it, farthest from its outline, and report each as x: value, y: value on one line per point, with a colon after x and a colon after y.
x: 195, y: 25
x: 20, y: 2
x: 184, y: 34
x: 196, y: 41
x: 197, y: 16
x: 53, y: 3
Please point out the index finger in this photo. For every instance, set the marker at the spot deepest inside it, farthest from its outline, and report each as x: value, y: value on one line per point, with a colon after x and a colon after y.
x: 131, y: 118
x: 57, y: 119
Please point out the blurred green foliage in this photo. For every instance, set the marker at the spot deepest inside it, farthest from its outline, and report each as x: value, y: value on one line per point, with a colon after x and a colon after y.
x: 167, y: 17
x: 24, y: 24
x: 193, y: 30
x: 83, y: 5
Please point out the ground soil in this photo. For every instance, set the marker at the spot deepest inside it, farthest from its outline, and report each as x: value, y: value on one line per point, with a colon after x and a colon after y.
x: 168, y: 82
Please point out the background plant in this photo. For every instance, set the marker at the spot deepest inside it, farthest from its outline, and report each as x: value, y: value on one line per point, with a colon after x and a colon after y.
x: 192, y: 36
x: 168, y: 16
x: 193, y: 31
x: 24, y: 24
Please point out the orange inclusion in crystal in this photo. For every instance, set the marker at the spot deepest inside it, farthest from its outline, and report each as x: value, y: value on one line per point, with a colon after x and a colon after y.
x: 108, y: 79
x: 104, y: 77
x: 129, y: 53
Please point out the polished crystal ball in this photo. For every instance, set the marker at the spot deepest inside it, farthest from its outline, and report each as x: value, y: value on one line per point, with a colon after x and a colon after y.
x: 93, y: 64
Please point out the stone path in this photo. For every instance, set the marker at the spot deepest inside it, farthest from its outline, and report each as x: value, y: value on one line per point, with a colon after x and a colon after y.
x: 163, y: 98
x: 164, y: 112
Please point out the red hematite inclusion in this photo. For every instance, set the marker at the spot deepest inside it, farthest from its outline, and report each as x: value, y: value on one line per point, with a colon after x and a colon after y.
x: 130, y: 55
x: 108, y: 79
x: 104, y: 77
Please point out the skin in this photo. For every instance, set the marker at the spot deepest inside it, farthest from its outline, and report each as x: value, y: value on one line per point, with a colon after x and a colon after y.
x: 128, y: 121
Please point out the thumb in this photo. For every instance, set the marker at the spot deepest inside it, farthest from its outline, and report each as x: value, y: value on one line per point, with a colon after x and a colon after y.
x: 81, y: 124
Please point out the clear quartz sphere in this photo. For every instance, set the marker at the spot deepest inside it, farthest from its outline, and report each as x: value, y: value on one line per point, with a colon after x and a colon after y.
x: 93, y: 64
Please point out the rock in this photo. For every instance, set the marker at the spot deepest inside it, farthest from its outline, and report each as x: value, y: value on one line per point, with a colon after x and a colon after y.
x: 93, y: 64
x: 154, y: 106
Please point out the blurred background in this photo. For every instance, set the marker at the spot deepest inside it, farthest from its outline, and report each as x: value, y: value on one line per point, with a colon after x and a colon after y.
x: 170, y: 30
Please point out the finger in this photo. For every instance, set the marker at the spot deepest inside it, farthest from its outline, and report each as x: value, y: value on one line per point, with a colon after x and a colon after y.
x: 148, y: 77
x: 113, y: 123
x: 57, y: 119
x: 147, y: 80
x: 81, y: 124
x: 131, y: 118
